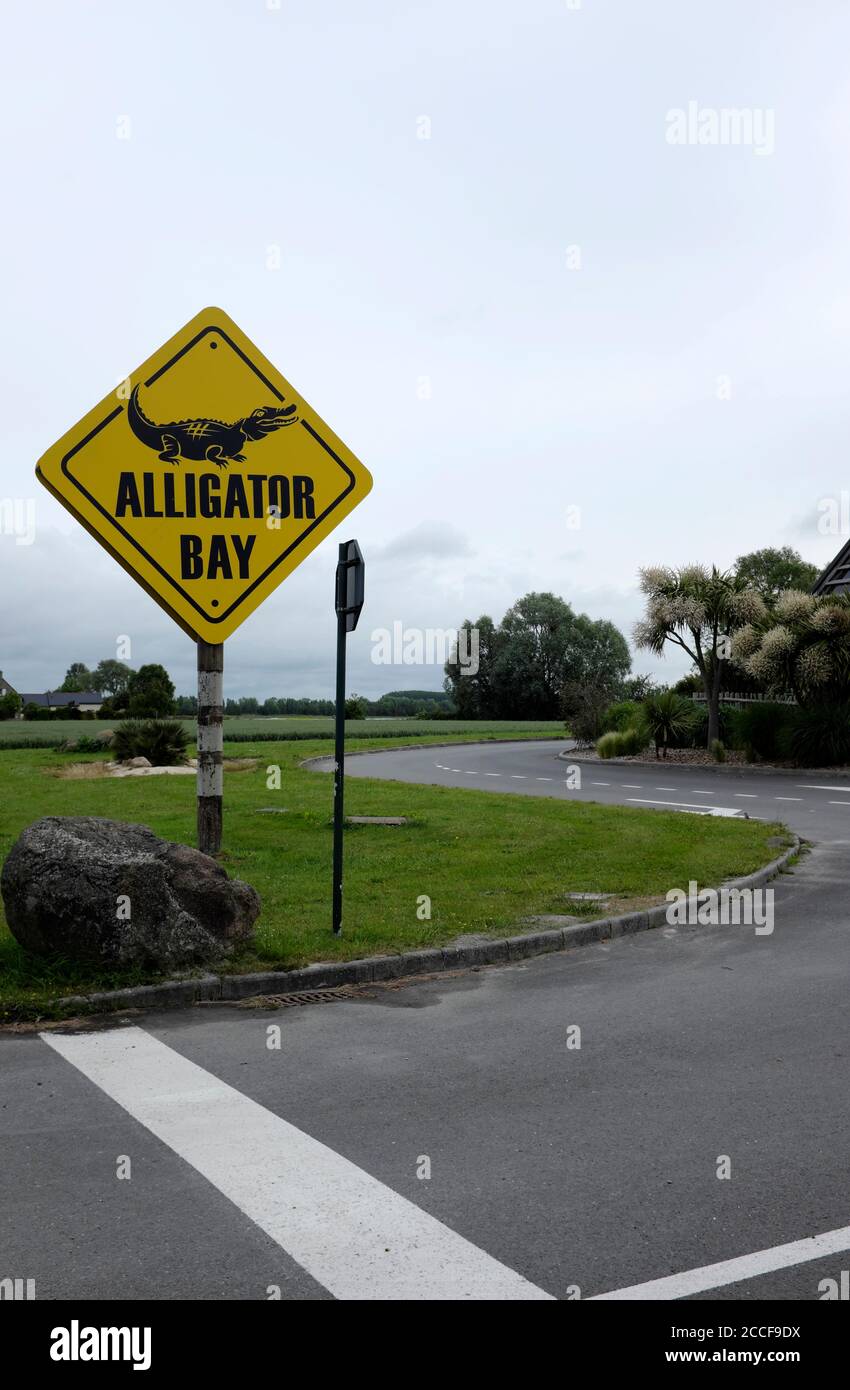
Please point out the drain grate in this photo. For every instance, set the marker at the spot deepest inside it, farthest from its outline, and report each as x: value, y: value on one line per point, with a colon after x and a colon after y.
x: 307, y: 996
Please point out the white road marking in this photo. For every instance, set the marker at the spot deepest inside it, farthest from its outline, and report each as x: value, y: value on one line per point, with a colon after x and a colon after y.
x: 544, y: 779
x: 788, y: 798
x: 492, y: 774
x: 600, y: 784
x: 664, y: 789
x: 813, y: 787
x: 470, y: 774
x: 355, y: 1236
x: 631, y: 786
x: 518, y: 777
x: 695, y: 791
x: 734, y: 1271
x: 689, y: 806
x: 751, y: 796
x: 838, y: 803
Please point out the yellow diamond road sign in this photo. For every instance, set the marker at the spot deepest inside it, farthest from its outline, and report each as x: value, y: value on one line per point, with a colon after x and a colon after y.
x: 206, y: 476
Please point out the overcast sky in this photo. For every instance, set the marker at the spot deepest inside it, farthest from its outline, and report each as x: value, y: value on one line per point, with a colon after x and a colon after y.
x: 654, y: 333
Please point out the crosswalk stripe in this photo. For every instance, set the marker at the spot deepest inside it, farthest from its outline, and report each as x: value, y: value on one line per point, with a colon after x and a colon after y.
x: 350, y: 1232
x: 693, y: 1281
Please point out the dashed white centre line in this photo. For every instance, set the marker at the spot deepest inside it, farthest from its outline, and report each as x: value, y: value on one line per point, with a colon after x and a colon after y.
x: 631, y: 786
x: 838, y: 803
x: 492, y: 774
x: 788, y: 798
x: 750, y: 796
x: 600, y: 784
x: 355, y: 1236
x: 518, y: 777
x: 694, y: 1281
x: 544, y: 779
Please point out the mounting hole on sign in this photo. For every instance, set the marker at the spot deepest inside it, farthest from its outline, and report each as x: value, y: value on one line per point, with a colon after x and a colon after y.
x: 213, y: 344
x: 214, y: 603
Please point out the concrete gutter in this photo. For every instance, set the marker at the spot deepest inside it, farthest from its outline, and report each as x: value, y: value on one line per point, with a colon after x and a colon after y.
x: 205, y: 988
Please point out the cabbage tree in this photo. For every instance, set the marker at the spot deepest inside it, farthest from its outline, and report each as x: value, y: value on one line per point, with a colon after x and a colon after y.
x: 698, y: 610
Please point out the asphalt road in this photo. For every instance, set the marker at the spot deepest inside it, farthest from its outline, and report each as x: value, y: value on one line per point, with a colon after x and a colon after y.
x: 442, y: 1137
x: 814, y: 805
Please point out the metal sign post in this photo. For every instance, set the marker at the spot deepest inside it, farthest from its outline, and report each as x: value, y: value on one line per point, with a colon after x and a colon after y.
x: 210, y: 735
x: 350, y: 585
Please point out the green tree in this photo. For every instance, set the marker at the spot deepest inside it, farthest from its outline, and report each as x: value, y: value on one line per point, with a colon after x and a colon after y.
x: 772, y: 570
x: 77, y: 677
x: 525, y: 664
x: 151, y: 693
x: 355, y: 707
x: 470, y: 683
x: 529, y: 669
x: 698, y: 610
x: 598, y: 653
x: 9, y: 705
x: 111, y: 677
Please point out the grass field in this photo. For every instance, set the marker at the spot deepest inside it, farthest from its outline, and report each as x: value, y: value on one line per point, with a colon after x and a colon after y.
x: 22, y: 733
x: 485, y: 860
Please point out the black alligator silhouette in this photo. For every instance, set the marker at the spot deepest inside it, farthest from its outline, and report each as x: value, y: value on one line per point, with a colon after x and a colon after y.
x: 208, y: 440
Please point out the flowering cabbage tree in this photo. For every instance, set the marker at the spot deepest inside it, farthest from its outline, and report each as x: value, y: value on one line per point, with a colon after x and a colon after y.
x: 803, y: 645
x: 698, y: 610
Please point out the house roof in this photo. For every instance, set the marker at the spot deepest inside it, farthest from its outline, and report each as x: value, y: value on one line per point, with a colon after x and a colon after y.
x: 59, y: 699
x: 835, y: 579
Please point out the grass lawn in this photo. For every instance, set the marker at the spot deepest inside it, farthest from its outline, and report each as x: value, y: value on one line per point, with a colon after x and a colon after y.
x: 484, y: 859
x: 49, y: 733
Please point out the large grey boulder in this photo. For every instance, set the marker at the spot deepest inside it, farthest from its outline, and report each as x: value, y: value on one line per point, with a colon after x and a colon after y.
x: 117, y: 895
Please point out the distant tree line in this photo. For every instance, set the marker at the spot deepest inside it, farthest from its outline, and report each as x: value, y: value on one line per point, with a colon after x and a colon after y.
x: 421, y: 704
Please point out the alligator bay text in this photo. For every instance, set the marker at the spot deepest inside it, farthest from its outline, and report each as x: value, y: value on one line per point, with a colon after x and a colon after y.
x: 215, y: 496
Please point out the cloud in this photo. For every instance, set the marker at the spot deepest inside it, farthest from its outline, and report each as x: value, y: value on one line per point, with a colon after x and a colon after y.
x: 430, y: 540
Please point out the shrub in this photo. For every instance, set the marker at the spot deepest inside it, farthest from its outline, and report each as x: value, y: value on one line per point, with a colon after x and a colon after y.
x: 583, y: 705
x: 610, y: 745
x: 761, y: 730
x: 820, y: 736
x: 633, y: 741
x: 623, y: 715
x: 668, y: 719
x: 162, y: 741
x: 622, y: 745
x: 85, y: 744
x: 698, y: 736
x: 718, y: 752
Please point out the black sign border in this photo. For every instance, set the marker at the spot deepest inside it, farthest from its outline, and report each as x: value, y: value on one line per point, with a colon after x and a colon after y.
x: 113, y: 414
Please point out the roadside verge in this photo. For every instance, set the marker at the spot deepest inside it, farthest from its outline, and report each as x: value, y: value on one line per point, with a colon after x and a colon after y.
x: 502, y: 951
